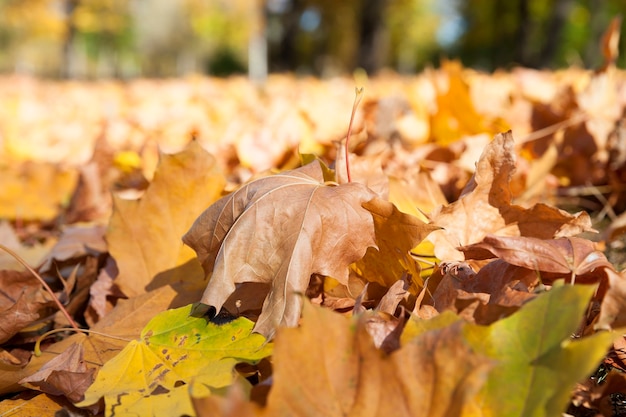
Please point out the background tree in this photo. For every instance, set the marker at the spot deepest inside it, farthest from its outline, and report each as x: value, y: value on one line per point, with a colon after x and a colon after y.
x: 534, y: 33
x: 125, y: 38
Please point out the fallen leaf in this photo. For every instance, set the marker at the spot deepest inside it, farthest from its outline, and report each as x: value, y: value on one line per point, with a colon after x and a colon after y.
x: 122, y: 324
x: 435, y: 374
x: 22, y: 299
x: 396, y: 293
x: 456, y: 115
x: 23, y: 312
x: 574, y: 258
x: 417, y: 195
x: 66, y: 374
x: 384, y: 329
x: 233, y: 404
x: 76, y: 241
x: 103, y: 293
x: 485, y: 207
x: 173, y: 349
x: 40, y: 405
x: 144, y: 235
x: 397, y: 234
x: 33, y: 253
x: 539, y: 365
x: 280, y: 230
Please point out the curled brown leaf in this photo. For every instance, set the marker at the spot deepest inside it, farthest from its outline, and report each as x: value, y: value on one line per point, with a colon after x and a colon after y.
x: 280, y: 230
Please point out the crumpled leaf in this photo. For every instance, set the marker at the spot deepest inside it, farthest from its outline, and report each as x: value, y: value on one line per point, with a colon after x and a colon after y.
x: 144, y: 235
x: 66, y: 374
x: 21, y: 300
x: 571, y: 256
x: 485, y: 207
x: 435, y: 374
x: 280, y: 230
x: 537, y: 364
x: 396, y: 234
x: 23, y: 312
x: 173, y: 349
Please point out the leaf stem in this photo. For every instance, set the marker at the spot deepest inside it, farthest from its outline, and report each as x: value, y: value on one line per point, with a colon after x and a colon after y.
x: 357, y: 99
x: 45, y: 285
x: 63, y: 329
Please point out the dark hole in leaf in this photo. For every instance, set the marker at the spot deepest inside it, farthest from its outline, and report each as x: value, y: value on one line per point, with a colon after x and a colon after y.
x: 160, y: 389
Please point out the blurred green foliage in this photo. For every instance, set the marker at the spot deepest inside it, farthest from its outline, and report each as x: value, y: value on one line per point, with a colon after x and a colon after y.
x: 126, y: 38
x: 536, y: 33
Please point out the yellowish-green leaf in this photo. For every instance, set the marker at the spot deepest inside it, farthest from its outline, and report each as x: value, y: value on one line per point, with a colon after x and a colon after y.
x: 537, y: 365
x: 173, y: 349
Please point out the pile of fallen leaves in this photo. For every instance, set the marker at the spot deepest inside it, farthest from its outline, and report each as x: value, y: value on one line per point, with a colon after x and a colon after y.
x: 219, y: 249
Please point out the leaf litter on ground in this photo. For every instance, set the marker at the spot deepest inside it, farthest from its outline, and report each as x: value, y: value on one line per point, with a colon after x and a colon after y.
x: 501, y: 248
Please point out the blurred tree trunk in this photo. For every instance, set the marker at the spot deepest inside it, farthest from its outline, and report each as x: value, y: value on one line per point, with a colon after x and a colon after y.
x: 597, y: 26
x: 554, y: 32
x: 257, y: 47
x: 68, y: 43
x: 523, y: 34
x: 372, y: 53
x: 284, y: 55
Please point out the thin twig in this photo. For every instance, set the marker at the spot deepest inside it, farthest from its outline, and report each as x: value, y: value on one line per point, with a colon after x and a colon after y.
x: 45, y: 285
x: 87, y: 331
x: 357, y: 100
x: 548, y: 130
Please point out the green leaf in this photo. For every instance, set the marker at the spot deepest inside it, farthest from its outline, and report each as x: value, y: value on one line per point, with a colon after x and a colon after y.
x: 173, y: 349
x: 537, y: 363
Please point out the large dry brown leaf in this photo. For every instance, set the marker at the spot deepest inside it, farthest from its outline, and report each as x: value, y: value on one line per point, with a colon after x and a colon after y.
x: 485, y: 207
x: 280, y: 230
x: 341, y: 373
x: 144, y: 235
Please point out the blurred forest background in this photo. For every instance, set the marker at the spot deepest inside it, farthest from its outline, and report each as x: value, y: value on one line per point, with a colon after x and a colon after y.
x: 164, y: 38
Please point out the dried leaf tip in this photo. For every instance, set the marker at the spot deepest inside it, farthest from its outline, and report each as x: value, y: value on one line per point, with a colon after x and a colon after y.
x: 358, y: 95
